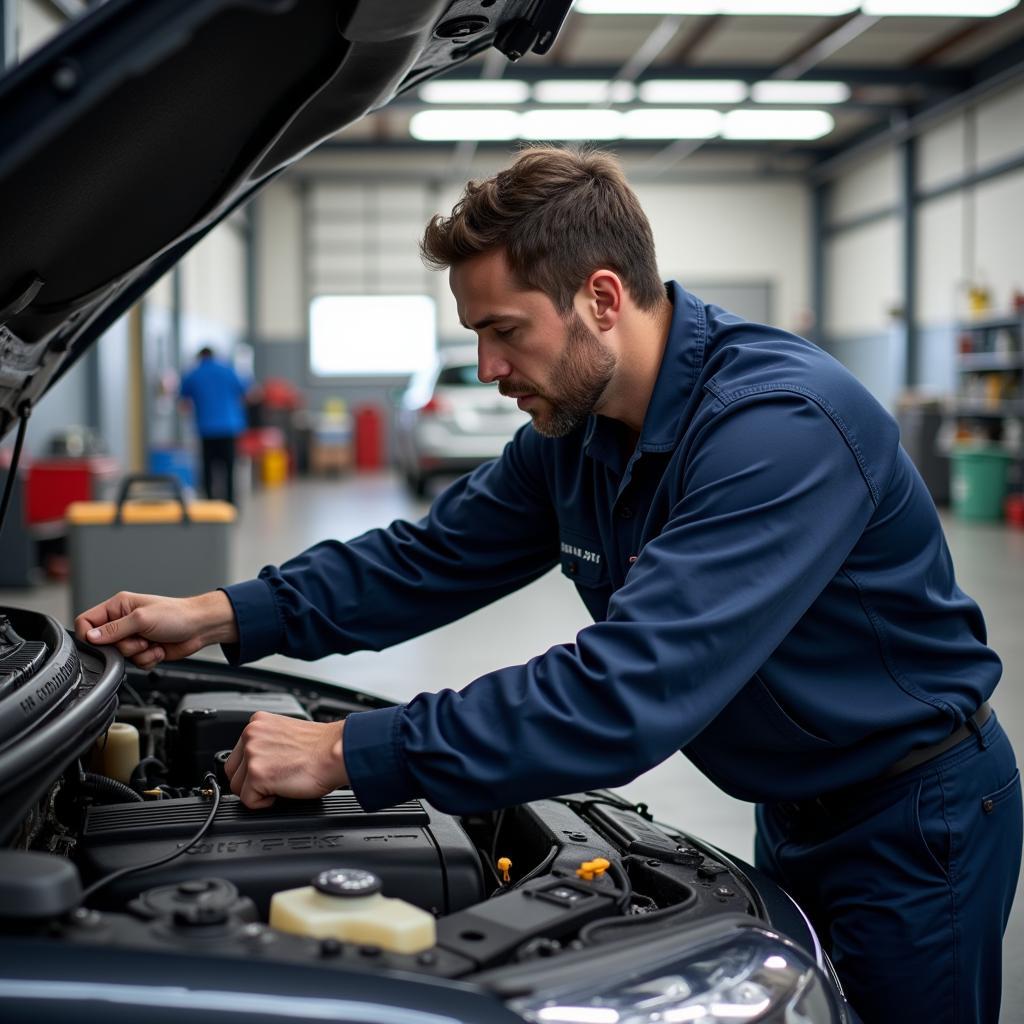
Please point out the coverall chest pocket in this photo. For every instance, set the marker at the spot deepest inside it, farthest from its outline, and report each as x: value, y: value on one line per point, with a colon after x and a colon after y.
x: 582, y: 559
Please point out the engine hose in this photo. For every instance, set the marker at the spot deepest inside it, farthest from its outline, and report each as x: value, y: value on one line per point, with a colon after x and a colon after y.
x: 141, y: 773
x: 118, y: 792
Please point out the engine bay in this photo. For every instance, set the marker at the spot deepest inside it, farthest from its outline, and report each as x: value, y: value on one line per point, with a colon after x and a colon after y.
x: 138, y: 842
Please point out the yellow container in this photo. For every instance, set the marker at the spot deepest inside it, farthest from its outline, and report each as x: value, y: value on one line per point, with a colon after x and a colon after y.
x: 274, y: 467
x: 346, y: 904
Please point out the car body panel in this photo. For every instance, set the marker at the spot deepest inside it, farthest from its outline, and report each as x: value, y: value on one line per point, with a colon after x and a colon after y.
x: 449, y: 422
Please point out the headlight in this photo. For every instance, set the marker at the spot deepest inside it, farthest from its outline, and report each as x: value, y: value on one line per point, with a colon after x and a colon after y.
x: 749, y: 974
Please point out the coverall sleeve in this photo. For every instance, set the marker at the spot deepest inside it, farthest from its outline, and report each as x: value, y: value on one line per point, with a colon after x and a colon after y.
x: 487, y: 535
x: 773, y: 500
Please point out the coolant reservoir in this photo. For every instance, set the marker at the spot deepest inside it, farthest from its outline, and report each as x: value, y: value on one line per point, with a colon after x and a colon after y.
x: 118, y: 751
x: 347, y: 904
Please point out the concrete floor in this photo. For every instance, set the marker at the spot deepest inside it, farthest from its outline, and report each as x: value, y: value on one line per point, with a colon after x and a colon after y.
x: 278, y: 523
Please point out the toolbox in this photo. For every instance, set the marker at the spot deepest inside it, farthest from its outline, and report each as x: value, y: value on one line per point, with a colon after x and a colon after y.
x: 156, y: 544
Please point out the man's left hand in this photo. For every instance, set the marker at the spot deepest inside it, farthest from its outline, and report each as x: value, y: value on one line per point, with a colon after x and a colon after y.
x: 280, y: 756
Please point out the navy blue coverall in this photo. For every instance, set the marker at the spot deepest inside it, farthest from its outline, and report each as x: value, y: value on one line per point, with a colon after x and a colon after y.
x: 772, y: 594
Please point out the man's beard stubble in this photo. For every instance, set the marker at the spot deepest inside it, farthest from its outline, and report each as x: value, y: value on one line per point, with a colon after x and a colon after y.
x: 578, y: 380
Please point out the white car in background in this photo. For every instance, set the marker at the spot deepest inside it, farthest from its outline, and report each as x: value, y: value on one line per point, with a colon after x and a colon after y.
x: 449, y: 422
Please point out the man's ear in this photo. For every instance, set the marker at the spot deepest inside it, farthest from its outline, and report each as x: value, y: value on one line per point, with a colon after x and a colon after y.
x: 602, y: 296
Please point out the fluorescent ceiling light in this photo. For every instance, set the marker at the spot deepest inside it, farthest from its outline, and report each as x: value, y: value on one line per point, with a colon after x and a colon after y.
x: 477, y: 90
x: 570, y: 124
x: 679, y: 90
x: 776, y: 124
x: 939, y: 8
x: 669, y: 123
x: 818, y: 8
x: 459, y: 125
x: 583, y: 91
x: 813, y: 8
x: 800, y: 92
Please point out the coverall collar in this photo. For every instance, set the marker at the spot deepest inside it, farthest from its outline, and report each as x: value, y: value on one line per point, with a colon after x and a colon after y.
x: 680, y: 366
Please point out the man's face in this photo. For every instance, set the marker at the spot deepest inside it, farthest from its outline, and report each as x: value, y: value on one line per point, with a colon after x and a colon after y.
x: 554, y: 366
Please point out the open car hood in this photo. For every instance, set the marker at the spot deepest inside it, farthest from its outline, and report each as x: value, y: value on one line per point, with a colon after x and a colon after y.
x: 146, y: 122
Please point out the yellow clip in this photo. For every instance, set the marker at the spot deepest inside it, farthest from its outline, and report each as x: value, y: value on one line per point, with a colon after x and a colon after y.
x: 503, y: 865
x: 591, y: 869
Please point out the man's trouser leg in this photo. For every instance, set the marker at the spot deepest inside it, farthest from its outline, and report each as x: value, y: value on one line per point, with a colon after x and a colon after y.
x: 219, y: 467
x: 209, y: 458
x: 910, y: 890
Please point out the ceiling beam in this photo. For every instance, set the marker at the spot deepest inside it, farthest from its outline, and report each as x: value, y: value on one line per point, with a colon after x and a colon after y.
x: 818, y: 36
x: 947, y: 43
x: 996, y: 72
x: 695, y: 39
x: 807, y: 152
x: 932, y: 77
x: 826, y: 47
x: 649, y: 50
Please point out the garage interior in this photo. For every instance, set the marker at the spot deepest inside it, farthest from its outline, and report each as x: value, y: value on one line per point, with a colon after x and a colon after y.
x: 854, y: 174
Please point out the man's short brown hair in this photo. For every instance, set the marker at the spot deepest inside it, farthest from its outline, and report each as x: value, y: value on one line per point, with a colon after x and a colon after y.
x: 559, y: 214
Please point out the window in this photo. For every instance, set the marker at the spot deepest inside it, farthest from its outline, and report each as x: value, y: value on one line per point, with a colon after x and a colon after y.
x: 371, y: 335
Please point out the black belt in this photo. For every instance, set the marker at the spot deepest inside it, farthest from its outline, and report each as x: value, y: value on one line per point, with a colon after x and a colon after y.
x: 921, y: 754
x: 833, y: 806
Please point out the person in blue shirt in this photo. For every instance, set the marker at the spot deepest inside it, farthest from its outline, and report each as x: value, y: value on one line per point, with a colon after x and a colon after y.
x: 770, y: 587
x: 217, y: 395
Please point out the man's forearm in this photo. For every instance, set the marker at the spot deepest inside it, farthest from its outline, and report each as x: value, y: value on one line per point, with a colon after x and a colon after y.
x: 215, y: 618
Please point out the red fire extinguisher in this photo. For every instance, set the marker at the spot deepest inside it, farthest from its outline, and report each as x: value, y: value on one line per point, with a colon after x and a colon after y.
x: 368, y: 437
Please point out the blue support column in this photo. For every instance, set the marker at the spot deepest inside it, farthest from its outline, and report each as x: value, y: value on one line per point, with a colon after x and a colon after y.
x: 908, y: 225
x: 8, y: 34
x: 818, y: 237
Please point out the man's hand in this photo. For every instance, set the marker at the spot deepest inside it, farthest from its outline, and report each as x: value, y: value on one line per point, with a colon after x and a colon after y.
x: 149, y: 629
x: 280, y: 756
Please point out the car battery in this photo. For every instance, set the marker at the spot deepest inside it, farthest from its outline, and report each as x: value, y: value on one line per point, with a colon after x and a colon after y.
x: 163, y: 546
x: 211, y: 722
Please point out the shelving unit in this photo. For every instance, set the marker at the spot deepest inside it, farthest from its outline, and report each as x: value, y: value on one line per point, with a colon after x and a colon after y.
x: 989, y: 402
x: 983, y: 422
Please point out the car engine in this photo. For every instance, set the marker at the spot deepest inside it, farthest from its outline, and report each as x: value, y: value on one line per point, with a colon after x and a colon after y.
x: 133, y: 839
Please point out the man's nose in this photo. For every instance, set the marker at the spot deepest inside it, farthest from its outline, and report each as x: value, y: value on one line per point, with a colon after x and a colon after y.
x: 490, y: 365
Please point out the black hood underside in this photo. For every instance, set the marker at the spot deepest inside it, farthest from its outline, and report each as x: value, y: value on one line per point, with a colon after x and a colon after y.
x: 146, y: 122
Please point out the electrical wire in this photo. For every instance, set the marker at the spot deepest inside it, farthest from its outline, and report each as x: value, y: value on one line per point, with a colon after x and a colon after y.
x: 210, y: 780
x: 494, y: 840
x: 654, y: 917
x: 132, y: 692
x: 531, y: 874
x: 12, y: 471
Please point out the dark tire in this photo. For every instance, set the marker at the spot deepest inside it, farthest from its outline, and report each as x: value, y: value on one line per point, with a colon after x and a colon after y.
x: 417, y: 483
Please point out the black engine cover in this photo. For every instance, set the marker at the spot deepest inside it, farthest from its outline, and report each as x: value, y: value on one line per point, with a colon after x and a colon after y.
x: 421, y: 855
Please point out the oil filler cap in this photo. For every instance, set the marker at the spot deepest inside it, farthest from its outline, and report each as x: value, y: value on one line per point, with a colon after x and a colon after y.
x: 347, y: 882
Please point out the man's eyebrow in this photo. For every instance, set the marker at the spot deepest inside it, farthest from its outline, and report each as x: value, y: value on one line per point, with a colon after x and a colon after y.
x: 486, y: 321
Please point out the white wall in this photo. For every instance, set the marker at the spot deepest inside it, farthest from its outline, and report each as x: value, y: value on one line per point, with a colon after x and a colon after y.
x: 862, y: 279
x: 213, y: 290
x: 869, y: 186
x: 364, y: 237
x: 280, y: 303
x: 972, y: 235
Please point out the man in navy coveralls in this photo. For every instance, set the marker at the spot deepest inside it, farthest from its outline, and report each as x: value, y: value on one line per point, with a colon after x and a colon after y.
x: 769, y: 582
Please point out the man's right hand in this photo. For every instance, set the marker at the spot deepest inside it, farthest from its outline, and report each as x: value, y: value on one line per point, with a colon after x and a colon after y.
x: 148, y: 629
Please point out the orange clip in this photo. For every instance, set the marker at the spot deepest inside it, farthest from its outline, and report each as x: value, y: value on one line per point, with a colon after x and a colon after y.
x: 591, y: 869
x: 503, y: 865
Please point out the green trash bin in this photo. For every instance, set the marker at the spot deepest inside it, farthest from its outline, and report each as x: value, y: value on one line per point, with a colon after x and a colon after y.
x: 978, y: 484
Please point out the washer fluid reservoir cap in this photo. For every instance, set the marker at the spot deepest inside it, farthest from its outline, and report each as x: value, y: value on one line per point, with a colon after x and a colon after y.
x: 347, y: 882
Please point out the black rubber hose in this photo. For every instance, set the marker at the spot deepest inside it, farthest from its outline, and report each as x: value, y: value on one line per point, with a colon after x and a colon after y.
x: 210, y: 780
x: 106, y: 787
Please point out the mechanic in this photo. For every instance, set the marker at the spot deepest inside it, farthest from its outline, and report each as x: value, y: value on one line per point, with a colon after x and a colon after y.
x: 769, y: 581
x: 217, y: 394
